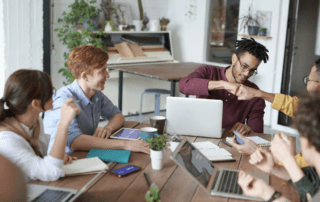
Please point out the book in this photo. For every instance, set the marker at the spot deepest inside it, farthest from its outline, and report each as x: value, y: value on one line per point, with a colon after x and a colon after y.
x: 118, y: 156
x: 212, y: 151
x: 256, y: 139
x: 84, y: 166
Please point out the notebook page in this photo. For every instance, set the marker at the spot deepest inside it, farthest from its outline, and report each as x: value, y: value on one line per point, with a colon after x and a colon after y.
x: 258, y: 140
x: 84, y: 166
x: 205, y: 145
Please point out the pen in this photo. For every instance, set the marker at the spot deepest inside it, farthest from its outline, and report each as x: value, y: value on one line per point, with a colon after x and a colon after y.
x: 226, y: 143
x: 146, y: 176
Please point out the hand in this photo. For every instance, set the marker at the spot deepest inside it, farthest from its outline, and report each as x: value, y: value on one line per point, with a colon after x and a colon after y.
x: 241, y: 128
x: 282, y: 148
x: 245, y: 93
x: 244, y: 149
x: 185, y: 153
x: 103, y: 132
x: 69, y: 110
x: 138, y: 146
x: 68, y: 159
x: 262, y: 159
x: 231, y: 87
x: 255, y: 187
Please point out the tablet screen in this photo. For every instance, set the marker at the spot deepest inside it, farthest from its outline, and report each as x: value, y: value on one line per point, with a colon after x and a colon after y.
x: 129, y: 133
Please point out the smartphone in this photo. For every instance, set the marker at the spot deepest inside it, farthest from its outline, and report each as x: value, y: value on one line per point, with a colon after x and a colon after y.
x: 125, y: 171
x: 240, y: 140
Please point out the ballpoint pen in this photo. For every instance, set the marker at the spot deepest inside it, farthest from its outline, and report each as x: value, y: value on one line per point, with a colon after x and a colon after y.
x: 147, y: 179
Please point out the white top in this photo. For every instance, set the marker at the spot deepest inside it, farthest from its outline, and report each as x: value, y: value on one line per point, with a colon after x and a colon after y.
x: 18, y: 150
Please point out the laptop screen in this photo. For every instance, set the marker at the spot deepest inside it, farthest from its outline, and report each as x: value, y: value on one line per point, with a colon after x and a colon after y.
x: 195, y: 163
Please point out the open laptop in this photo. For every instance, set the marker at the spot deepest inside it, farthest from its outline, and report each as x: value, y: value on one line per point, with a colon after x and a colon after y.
x: 42, y: 193
x: 194, y: 116
x: 195, y: 164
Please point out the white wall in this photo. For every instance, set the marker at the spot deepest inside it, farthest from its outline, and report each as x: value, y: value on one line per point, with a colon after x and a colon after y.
x: 133, y: 85
x: 21, y: 31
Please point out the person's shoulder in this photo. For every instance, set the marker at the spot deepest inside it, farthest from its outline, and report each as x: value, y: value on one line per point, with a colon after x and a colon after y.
x: 211, y: 69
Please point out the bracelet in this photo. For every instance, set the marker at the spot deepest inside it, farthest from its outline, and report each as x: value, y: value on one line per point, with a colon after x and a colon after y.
x: 275, y: 196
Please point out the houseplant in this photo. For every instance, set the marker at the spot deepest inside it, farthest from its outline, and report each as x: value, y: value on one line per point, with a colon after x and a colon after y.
x: 164, y: 22
x: 263, y: 32
x: 153, y: 194
x: 250, y: 22
x: 108, y: 8
x: 81, y: 10
x: 138, y: 23
x: 156, y: 153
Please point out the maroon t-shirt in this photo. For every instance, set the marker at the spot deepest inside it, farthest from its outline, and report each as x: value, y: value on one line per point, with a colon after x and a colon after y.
x: 234, y: 110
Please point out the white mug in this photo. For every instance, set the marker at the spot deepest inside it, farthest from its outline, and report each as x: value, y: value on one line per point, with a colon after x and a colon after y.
x: 154, y: 25
x: 172, y: 145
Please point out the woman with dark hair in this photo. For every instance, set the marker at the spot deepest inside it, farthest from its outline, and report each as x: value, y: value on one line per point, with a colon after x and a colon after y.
x: 22, y: 140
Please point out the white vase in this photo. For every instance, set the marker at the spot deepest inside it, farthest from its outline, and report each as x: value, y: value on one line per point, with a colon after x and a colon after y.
x: 108, y: 27
x: 156, y: 159
x: 138, y: 25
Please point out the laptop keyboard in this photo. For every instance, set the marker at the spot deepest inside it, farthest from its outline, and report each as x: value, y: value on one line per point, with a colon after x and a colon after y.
x: 50, y: 195
x: 228, y: 182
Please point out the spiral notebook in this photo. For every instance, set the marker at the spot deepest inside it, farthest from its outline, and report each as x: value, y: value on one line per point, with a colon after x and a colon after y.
x: 258, y: 140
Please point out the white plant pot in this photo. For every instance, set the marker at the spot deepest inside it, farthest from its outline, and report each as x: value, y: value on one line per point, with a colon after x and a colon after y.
x: 138, y: 25
x: 156, y: 159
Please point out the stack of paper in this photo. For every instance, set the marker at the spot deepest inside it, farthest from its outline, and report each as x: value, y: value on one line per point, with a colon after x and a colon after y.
x: 258, y: 140
x: 212, y: 151
x: 84, y: 166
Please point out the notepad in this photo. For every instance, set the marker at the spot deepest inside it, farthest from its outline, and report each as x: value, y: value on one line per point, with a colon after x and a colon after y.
x: 256, y: 139
x: 212, y: 151
x: 84, y: 166
x: 118, y: 156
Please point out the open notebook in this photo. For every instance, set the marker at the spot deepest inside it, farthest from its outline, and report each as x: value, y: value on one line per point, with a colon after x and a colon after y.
x: 84, y: 166
x: 212, y: 151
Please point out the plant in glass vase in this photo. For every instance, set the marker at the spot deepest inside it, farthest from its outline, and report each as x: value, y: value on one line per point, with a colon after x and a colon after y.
x: 73, y: 32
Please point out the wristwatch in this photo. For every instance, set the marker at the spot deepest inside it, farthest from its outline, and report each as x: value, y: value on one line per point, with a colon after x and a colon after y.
x: 275, y: 196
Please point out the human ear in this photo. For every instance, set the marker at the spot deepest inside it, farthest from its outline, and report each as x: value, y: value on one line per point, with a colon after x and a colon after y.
x: 234, y: 58
x: 84, y: 76
x: 36, y: 104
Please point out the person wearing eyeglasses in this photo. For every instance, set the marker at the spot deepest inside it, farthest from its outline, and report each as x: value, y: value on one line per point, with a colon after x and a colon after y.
x: 281, y: 102
x: 212, y: 82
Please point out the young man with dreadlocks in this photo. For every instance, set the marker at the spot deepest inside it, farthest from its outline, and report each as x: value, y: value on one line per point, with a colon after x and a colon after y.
x: 212, y: 82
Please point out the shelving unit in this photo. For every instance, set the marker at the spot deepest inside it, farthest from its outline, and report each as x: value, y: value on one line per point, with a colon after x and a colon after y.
x: 255, y: 36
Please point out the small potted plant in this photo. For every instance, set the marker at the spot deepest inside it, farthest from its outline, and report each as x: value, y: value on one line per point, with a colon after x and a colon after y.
x: 248, y: 21
x: 153, y: 194
x: 156, y: 153
x: 164, y: 23
x: 263, y: 31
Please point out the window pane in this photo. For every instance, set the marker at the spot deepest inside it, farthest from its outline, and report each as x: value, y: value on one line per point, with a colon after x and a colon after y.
x: 223, y: 28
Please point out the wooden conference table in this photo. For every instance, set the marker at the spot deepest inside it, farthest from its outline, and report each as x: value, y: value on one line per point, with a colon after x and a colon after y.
x: 173, y: 183
x: 171, y: 72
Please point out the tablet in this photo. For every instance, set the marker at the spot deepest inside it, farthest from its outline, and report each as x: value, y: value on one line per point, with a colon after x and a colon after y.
x: 127, y: 133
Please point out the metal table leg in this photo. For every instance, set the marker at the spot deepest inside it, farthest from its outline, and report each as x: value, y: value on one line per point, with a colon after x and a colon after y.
x: 173, y: 88
x: 120, y: 90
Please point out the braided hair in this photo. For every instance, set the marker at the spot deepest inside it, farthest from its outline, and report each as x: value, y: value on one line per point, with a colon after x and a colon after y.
x: 254, y: 48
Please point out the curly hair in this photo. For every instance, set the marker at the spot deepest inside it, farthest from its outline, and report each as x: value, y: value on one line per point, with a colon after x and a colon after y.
x: 86, y: 59
x: 307, y: 118
x: 254, y: 48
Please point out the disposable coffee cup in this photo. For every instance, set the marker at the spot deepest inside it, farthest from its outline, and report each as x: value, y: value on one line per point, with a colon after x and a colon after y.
x: 158, y: 122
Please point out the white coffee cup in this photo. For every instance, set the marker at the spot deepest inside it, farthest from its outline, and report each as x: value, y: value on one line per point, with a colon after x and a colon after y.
x: 172, y: 145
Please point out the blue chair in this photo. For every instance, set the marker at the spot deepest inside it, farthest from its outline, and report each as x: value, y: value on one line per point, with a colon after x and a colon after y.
x: 157, y: 93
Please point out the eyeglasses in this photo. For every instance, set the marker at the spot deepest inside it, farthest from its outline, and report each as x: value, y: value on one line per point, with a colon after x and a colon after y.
x: 245, y: 68
x: 306, y: 79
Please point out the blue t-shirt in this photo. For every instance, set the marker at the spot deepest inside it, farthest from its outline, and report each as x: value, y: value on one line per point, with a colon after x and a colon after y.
x: 84, y: 123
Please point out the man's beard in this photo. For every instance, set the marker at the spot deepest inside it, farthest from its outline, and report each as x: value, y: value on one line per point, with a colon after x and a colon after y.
x: 234, y: 75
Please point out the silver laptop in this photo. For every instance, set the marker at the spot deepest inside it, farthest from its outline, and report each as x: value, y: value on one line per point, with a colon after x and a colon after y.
x: 194, y: 116
x: 195, y: 164
x: 42, y: 193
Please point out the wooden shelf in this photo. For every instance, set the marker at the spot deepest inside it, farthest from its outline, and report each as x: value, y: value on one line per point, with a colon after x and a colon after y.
x: 255, y: 36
